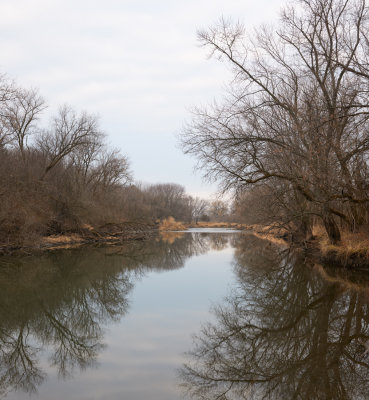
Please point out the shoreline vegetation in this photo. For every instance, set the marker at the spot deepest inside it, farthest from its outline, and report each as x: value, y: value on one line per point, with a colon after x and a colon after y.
x: 62, y: 184
x: 111, y: 233
x: 351, y: 253
x: 290, y: 134
x: 292, y: 150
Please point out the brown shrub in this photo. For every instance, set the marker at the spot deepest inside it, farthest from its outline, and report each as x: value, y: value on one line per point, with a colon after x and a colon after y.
x: 170, y: 224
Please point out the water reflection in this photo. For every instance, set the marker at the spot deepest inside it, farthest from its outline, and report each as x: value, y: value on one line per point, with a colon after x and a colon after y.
x: 283, y: 333
x: 57, y: 303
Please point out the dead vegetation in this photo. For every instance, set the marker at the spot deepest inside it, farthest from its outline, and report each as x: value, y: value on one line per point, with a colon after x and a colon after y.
x: 353, y: 249
x: 290, y: 135
x: 170, y: 224
x: 65, y: 184
x: 225, y: 225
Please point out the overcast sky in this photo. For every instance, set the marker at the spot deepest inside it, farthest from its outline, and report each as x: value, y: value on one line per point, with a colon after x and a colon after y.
x: 136, y: 63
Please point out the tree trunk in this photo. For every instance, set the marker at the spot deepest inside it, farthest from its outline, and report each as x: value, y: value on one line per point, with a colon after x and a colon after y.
x: 303, y: 231
x: 331, y: 228
x: 306, y: 228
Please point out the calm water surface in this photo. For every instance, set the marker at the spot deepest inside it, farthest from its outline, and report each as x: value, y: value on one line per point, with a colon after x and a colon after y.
x: 118, y: 323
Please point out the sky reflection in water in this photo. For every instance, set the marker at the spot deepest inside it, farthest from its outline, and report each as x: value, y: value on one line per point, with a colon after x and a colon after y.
x: 114, y: 322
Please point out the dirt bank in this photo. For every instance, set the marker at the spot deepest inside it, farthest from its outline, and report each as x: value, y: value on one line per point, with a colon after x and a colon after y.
x: 108, y: 233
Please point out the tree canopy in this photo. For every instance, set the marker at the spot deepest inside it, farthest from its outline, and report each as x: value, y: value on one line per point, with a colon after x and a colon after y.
x: 294, y: 121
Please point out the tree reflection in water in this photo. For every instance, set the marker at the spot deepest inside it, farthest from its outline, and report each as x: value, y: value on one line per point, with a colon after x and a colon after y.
x: 284, y: 333
x: 58, y: 302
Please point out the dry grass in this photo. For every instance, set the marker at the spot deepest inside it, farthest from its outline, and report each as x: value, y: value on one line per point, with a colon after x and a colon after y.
x: 233, y: 225
x: 170, y: 224
x: 351, y: 244
x: 56, y: 239
x: 269, y: 233
x: 62, y: 241
x: 88, y: 227
x: 270, y: 238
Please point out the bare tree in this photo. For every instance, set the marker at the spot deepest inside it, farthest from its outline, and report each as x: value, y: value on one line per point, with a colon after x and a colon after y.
x: 112, y: 169
x: 19, y: 114
x: 86, y: 180
x: 68, y: 132
x: 7, y: 90
x: 199, y: 207
x: 296, y: 111
x: 168, y: 199
x: 84, y: 159
x: 218, y: 210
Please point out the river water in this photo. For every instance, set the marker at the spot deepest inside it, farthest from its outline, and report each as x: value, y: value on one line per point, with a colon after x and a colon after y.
x: 215, y: 314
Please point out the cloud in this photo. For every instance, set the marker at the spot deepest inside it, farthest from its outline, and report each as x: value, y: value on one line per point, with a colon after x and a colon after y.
x: 135, y: 62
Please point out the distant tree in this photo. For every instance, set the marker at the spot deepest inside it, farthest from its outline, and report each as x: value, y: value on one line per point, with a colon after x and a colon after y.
x: 218, y: 210
x: 19, y: 115
x: 83, y: 158
x: 68, y: 132
x: 198, y: 207
x: 169, y: 199
x: 7, y: 91
x: 111, y: 170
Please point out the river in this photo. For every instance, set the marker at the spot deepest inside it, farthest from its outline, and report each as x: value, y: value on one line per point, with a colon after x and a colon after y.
x: 203, y: 313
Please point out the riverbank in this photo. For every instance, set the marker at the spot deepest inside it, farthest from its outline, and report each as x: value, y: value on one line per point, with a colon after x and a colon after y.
x: 170, y: 223
x: 108, y: 233
x: 352, y: 252
x: 263, y: 232
x: 224, y: 225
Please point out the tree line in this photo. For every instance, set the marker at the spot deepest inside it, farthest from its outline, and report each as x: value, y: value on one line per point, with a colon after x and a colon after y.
x: 64, y: 177
x: 290, y: 137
